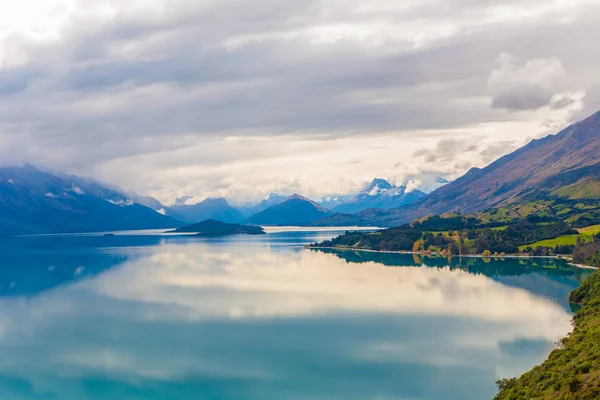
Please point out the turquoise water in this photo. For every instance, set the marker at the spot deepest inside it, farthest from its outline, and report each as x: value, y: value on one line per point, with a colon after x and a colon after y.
x: 145, y: 316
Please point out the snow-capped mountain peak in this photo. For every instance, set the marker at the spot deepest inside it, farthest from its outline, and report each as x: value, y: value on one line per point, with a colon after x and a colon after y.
x: 379, y: 194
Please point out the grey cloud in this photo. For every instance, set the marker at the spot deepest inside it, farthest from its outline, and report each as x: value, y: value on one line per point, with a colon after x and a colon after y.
x: 560, y: 102
x: 522, y: 97
x: 447, y: 150
x: 531, y: 85
x: 13, y: 81
x: 181, y: 200
x: 591, y: 103
x: 147, y: 83
x: 497, y: 150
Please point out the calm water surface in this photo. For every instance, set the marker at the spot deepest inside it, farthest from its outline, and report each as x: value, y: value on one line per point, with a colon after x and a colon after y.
x: 144, y: 316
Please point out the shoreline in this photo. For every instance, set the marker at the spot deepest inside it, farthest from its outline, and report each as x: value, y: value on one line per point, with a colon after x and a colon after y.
x: 514, y: 256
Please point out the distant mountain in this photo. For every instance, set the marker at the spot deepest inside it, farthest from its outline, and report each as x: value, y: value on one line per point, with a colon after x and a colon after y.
x: 217, y: 228
x: 273, y: 199
x: 295, y: 210
x: 565, y: 166
x: 36, y: 201
x: 218, y: 209
x: 380, y: 194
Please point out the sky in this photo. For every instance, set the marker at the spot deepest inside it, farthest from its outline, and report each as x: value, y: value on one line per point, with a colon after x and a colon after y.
x: 240, y: 98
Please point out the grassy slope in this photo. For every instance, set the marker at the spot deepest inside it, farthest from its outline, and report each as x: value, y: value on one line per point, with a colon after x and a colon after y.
x: 577, y: 212
x: 585, y: 234
x: 586, y: 188
x: 590, y: 230
x: 571, y: 372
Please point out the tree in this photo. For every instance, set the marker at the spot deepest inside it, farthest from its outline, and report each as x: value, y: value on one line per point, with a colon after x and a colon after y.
x: 416, y: 246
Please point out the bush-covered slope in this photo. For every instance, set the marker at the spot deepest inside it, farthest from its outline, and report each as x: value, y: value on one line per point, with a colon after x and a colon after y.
x: 571, y: 372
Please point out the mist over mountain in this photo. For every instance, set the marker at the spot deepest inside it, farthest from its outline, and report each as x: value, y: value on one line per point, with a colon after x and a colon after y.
x: 250, y: 209
x: 295, y: 210
x: 218, y: 209
x: 428, y: 186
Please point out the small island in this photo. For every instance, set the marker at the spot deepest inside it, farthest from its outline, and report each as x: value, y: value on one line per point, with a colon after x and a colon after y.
x: 213, y: 227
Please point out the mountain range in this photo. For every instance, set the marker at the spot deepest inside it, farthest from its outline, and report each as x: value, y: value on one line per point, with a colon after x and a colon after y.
x: 559, y: 174
x: 33, y: 200
x: 561, y: 167
x: 278, y: 209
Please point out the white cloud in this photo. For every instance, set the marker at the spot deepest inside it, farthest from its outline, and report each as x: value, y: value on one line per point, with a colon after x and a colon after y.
x: 413, y: 185
x: 77, y: 190
x: 121, y: 202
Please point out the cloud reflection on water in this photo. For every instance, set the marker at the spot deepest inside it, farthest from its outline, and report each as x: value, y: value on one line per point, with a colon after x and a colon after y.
x: 202, y: 320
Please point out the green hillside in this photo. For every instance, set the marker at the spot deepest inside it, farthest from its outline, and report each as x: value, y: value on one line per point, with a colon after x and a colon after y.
x: 571, y: 372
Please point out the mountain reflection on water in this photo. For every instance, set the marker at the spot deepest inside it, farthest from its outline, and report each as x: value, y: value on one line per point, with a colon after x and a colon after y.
x: 159, y: 317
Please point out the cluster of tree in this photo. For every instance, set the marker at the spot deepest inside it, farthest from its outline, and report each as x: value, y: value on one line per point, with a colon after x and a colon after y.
x: 452, y: 236
x: 396, y: 239
x: 587, y: 253
x: 453, y: 222
x: 543, y: 251
x: 438, y: 240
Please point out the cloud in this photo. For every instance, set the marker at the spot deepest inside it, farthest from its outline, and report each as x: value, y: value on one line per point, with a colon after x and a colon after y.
x: 182, y: 200
x: 497, y: 150
x: 92, y: 86
x: 532, y: 86
x: 447, y: 150
x: 522, y: 97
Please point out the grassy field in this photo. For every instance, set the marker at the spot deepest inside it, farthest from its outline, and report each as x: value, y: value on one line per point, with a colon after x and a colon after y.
x: 590, y: 230
x: 586, y: 235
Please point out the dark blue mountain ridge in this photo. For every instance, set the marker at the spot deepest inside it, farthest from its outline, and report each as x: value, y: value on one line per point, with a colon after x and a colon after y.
x: 36, y: 201
x: 296, y: 210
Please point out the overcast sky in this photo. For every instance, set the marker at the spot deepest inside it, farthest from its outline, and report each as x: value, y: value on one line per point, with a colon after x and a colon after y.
x: 240, y: 98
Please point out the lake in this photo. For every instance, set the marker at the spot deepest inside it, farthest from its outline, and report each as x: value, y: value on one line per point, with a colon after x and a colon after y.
x: 150, y: 316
